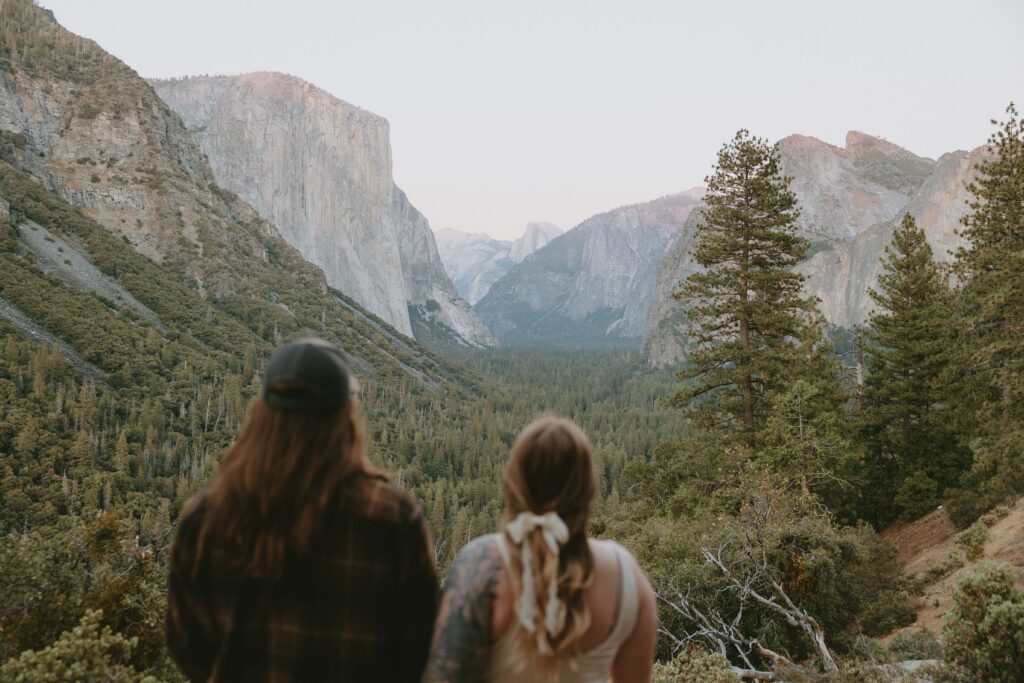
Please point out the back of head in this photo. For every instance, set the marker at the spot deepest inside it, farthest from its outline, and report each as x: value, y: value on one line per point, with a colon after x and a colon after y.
x: 549, y: 489
x: 299, y: 447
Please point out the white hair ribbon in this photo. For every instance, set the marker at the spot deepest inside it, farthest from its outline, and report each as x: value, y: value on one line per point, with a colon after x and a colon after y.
x: 555, y: 533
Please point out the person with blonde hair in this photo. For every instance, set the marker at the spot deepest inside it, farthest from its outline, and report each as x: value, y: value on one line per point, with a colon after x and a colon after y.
x: 541, y: 601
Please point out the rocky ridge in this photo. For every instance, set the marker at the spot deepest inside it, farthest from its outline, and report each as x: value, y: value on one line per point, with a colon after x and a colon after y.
x: 593, y: 285
x: 320, y: 170
x: 851, y: 200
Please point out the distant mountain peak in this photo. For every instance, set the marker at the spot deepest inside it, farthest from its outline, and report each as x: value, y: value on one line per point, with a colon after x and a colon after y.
x: 858, y: 143
x: 475, y: 260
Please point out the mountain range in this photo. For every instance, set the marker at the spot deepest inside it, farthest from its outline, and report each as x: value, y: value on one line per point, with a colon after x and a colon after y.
x: 610, y: 280
x: 274, y: 202
x: 591, y: 286
x: 476, y: 261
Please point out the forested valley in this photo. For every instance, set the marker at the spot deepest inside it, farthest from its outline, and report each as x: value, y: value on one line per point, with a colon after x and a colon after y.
x: 751, y: 486
x: 758, y: 483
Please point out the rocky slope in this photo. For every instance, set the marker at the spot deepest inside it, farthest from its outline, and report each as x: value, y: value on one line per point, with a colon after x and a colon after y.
x: 851, y: 200
x: 476, y: 261
x: 319, y: 169
x: 593, y: 285
x: 78, y: 123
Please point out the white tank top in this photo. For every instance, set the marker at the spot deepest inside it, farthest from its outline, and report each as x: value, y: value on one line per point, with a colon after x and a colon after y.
x: 592, y: 666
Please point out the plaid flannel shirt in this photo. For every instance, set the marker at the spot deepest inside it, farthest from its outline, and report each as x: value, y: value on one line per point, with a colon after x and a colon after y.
x: 362, y: 609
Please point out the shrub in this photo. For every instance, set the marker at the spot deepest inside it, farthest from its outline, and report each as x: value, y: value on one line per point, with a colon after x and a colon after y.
x: 85, y: 653
x: 997, y: 513
x: 972, y: 541
x: 984, y: 630
x: 886, y: 615
x: 694, y: 665
x: 964, y: 506
x: 953, y: 562
x: 917, y: 495
x: 915, y: 644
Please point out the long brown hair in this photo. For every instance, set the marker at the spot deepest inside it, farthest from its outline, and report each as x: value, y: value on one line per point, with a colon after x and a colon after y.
x: 276, y: 482
x: 550, y: 470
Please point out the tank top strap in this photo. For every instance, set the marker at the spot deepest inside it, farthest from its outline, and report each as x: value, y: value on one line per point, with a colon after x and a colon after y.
x: 629, y: 599
x: 506, y: 558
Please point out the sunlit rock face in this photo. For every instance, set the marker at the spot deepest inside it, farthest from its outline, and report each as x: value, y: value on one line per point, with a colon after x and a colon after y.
x: 851, y: 200
x: 319, y: 169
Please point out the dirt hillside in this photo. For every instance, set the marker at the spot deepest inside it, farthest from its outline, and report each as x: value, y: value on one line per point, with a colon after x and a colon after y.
x: 928, y: 543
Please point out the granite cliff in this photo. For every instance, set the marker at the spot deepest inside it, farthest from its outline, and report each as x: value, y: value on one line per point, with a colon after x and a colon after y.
x: 476, y: 261
x: 319, y: 169
x: 78, y: 125
x: 851, y: 200
x: 593, y: 285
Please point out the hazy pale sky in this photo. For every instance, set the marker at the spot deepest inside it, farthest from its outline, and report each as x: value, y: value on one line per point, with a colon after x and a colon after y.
x: 507, y: 112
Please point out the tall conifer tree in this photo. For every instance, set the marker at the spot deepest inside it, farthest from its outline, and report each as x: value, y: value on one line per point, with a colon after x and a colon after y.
x: 912, y: 452
x: 746, y: 306
x: 991, y: 268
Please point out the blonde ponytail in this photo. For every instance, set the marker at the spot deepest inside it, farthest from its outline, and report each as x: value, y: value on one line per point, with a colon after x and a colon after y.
x: 549, y: 488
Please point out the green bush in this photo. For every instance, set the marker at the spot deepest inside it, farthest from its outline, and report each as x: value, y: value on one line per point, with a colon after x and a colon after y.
x: 918, y: 494
x: 885, y: 615
x: 972, y: 541
x: 984, y: 630
x: 694, y: 665
x: 997, y: 513
x: 85, y: 653
x: 915, y: 644
x: 964, y: 506
x: 953, y: 562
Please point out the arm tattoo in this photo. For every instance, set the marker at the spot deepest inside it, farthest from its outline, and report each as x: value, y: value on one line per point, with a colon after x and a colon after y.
x: 462, y: 639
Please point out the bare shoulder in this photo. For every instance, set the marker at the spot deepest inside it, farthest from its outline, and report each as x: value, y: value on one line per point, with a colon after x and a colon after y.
x: 463, y: 637
x: 609, y: 549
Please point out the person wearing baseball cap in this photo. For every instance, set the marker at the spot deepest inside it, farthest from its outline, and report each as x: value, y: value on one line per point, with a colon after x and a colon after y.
x: 300, y: 562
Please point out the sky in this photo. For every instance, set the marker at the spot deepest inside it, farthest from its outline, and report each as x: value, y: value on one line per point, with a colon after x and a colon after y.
x: 507, y: 112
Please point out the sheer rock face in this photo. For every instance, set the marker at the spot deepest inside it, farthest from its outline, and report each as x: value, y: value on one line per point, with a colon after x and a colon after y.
x: 593, y: 285
x: 476, y: 261
x: 851, y: 201
x: 319, y: 169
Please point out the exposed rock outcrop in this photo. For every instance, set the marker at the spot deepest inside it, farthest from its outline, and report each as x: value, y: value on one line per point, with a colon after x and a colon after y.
x: 476, y: 261
x: 593, y: 285
x: 319, y: 169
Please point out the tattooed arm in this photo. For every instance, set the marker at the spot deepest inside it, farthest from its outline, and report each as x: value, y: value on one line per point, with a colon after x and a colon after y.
x: 461, y: 651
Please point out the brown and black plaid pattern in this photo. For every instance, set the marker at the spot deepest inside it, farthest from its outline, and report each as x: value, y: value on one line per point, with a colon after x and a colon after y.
x: 361, y: 610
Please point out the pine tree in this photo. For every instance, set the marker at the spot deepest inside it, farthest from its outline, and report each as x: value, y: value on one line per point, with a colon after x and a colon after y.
x: 905, y: 407
x: 991, y: 268
x: 748, y: 313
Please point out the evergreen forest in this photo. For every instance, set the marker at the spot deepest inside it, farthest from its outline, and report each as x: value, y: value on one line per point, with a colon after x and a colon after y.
x: 752, y: 483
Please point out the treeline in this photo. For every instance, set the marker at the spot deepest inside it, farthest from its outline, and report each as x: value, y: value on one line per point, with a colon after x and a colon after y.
x: 757, y: 528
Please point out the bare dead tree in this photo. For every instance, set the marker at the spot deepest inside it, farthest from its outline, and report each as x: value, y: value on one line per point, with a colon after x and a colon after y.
x: 724, y: 634
x: 742, y: 559
x: 777, y: 601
